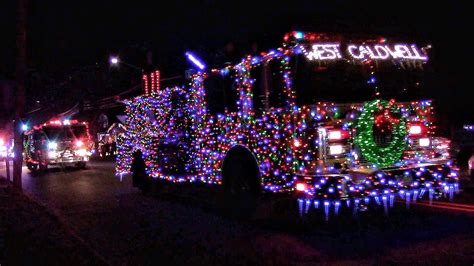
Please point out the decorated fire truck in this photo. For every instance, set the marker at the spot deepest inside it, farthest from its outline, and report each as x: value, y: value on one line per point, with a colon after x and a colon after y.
x: 59, y: 143
x: 334, y: 121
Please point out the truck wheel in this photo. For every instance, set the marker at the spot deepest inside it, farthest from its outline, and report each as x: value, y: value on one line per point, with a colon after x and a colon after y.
x: 241, y: 183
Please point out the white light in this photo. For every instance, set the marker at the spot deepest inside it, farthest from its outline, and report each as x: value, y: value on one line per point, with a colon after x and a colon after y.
x: 79, y: 143
x: 424, y: 142
x: 114, y: 60
x: 415, y: 130
x: 81, y: 152
x: 2, y: 142
x: 66, y: 122
x: 351, y: 48
x: 335, y: 134
x: 52, y: 154
x: 301, y: 187
x: 324, y: 51
x: 24, y: 127
x: 297, y: 143
x: 335, y: 149
x: 382, y: 53
x: 52, y: 145
x: 386, y: 52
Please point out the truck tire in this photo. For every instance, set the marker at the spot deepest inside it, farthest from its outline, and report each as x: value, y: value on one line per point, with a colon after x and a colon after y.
x: 241, y: 183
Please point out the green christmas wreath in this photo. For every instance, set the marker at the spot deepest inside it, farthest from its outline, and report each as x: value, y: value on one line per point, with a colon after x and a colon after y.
x: 384, y: 116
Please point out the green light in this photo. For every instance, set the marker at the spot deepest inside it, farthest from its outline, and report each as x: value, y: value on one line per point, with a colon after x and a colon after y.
x: 382, y: 156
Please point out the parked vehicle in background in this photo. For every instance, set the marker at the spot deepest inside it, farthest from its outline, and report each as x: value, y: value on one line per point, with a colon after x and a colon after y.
x: 59, y: 143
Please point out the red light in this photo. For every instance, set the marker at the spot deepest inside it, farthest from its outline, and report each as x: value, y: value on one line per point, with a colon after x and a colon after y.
x: 157, y: 80
x: 301, y: 186
x: 145, y: 84
x: 152, y: 77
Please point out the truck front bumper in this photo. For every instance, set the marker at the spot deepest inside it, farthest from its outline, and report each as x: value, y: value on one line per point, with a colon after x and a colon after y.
x: 357, y: 188
x: 69, y: 160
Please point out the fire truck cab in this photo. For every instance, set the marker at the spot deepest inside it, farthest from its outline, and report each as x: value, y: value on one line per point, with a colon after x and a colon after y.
x: 57, y: 143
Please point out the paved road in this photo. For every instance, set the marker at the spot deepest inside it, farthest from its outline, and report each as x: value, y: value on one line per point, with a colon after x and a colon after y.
x: 128, y: 228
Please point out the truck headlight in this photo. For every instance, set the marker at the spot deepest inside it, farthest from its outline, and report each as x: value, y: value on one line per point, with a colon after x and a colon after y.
x: 424, y: 142
x: 81, y: 152
x: 52, y: 145
x: 336, y: 149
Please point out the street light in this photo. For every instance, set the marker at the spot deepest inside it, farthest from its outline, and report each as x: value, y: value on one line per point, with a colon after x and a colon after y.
x: 115, y: 61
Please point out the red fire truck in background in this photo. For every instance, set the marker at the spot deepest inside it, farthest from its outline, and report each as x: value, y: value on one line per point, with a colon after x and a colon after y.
x: 57, y: 142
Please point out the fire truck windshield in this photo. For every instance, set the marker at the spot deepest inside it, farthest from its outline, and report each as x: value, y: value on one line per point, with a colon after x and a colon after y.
x: 65, y: 132
x: 346, y: 82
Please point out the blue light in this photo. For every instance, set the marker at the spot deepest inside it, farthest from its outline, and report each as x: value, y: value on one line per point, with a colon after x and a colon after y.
x: 195, y: 60
x: 372, y: 80
x: 299, y: 35
x: 224, y: 71
x: 24, y: 127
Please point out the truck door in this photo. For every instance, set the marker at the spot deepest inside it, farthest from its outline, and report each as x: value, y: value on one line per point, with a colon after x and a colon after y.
x: 273, y: 144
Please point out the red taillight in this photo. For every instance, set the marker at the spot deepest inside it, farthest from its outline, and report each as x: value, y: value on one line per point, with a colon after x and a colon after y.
x: 338, y: 134
x: 300, y: 186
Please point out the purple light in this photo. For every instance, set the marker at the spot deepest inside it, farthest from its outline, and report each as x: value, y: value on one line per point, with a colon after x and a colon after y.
x: 195, y: 60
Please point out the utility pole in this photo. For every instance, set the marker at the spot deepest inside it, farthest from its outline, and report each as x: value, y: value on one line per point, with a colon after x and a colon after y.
x: 21, y: 66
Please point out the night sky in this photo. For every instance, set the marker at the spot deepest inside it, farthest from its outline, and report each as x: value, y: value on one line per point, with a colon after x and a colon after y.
x: 66, y: 35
